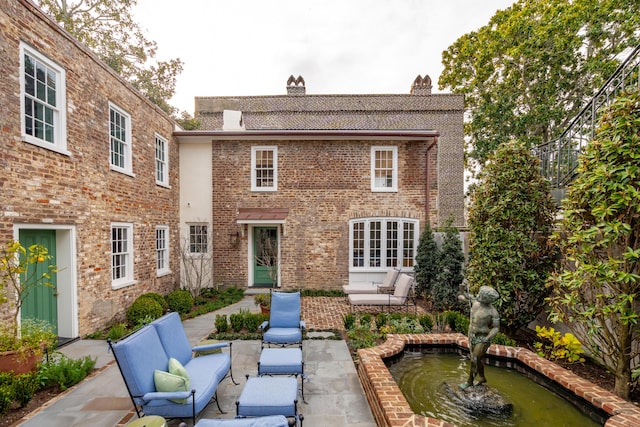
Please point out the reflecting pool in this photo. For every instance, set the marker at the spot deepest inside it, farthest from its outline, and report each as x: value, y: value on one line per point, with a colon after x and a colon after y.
x: 420, y: 375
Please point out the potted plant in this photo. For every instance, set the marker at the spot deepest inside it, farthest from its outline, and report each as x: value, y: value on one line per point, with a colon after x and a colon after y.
x: 22, y: 342
x: 264, y: 301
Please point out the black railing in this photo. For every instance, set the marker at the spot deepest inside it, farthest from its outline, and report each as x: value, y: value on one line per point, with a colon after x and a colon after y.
x: 559, y: 157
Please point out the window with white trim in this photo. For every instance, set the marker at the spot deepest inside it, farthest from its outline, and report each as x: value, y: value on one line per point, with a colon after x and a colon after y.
x: 384, y: 168
x: 383, y: 242
x: 162, y: 161
x: 121, y: 255
x: 42, y: 101
x: 409, y: 243
x: 198, y: 239
x: 162, y: 250
x: 119, y: 140
x: 264, y: 168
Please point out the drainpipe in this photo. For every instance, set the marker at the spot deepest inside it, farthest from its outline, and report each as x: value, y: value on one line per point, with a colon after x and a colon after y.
x: 428, y: 179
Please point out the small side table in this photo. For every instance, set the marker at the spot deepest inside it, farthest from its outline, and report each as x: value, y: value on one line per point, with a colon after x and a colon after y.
x: 148, y: 421
x: 268, y: 396
x: 282, y: 361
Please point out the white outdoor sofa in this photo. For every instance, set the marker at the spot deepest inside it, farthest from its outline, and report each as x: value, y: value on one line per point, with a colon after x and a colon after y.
x: 401, y: 297
x: 386, y: 286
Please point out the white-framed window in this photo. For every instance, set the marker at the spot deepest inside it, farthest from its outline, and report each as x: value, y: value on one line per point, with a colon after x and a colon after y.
x: 119, y: 140
x: 42, y: 100
x: 162, y: 250
x: 264, y: 168
x: 382, y: 242
x: 121, y: 255
x: 198, y: 239
x: 384, y: 168
x: 162, y: 161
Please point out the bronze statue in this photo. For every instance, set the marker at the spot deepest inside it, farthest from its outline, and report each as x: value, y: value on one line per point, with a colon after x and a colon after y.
x: 483, y: 326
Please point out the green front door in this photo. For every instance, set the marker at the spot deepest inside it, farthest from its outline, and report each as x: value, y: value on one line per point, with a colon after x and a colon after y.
x: 265, y: 259
x: 41, y: 302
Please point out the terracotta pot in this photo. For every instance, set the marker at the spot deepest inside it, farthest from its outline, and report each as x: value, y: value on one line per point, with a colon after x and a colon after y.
x: 19, y: 362
x: 264, y: 310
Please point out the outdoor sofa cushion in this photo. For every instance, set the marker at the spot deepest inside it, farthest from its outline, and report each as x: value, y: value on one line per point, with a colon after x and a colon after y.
x: 399, y: 296
x: 269, y: 421
x: 387, y: 283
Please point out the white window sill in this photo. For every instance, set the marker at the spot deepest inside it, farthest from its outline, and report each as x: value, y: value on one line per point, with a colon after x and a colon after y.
x: 162, y: 273
x: 123, y: 284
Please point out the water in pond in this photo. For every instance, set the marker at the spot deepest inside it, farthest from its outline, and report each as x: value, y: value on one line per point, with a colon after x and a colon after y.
x: 420, y: 377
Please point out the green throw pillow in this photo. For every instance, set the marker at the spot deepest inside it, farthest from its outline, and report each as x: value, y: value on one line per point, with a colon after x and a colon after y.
x: 176, y: 368
x: 170, y: 382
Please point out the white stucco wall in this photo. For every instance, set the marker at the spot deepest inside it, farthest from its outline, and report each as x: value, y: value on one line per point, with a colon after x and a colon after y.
x: 195, y: 183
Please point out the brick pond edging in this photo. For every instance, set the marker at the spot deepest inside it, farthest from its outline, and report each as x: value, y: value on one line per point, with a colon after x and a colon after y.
x: 391, y: 409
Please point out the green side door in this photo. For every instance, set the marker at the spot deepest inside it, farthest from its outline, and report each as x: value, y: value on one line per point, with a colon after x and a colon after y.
x: 265, y: 259
x: 41, y: 302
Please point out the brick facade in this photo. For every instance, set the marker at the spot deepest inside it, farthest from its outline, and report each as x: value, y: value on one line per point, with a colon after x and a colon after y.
x: 417, y: 110
x: 76, y: 192
x: 324, y: 184
x: 324, y: 176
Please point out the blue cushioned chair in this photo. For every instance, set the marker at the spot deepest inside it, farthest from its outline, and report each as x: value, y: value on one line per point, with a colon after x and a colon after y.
x: 284, y: 326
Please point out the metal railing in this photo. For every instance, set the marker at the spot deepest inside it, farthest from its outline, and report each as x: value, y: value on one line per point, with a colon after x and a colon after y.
x: 559, y: 157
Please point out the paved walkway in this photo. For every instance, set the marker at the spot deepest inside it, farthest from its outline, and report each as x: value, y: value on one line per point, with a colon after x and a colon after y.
x: 333, y: 391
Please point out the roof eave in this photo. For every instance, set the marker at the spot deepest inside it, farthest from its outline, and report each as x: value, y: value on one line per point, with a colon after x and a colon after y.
x: 262, y: 135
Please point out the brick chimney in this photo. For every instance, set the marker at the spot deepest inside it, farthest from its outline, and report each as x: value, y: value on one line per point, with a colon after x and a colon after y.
x: 421, y: 86
x: 296, y: 86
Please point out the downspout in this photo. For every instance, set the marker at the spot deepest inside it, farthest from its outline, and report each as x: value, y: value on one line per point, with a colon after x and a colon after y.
x: 428, y: 180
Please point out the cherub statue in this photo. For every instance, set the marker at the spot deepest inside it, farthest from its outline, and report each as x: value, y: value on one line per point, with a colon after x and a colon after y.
x: 483, y: 326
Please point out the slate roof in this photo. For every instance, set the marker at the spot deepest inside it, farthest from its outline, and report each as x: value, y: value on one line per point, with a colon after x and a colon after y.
x: 303, y: 111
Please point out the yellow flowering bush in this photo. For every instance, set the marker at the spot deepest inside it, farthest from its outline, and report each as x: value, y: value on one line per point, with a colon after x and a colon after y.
x: 556, y: 346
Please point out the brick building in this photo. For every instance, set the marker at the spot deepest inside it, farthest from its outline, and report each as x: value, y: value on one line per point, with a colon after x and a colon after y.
x: 89, y: 168
x: 312, y: 189
x: 317, y: 190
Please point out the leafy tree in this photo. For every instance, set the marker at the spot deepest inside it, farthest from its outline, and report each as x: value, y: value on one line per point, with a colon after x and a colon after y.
x: 510, y: 223
x: 446, y: 286
x: 597, y: 291
x: 108, y: 29
x: 528, y: 72
x: 188, y: 122
x: 427, y: 259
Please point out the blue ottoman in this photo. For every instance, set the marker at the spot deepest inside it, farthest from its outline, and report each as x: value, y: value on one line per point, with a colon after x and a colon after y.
x: 263, y: 396
x: 271, y: 421
x: 282, y: 361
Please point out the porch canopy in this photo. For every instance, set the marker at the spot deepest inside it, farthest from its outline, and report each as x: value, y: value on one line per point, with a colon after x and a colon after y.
x: 262, y: 216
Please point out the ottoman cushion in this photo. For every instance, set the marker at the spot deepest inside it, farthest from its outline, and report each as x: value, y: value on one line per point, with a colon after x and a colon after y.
x: 268, y: 396
x: 280, y: 361
x: 270, y: 421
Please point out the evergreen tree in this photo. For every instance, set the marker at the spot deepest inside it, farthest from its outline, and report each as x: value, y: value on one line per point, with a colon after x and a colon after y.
x: 446, y: 286
x: 510, y: 223
x: 426, y: 266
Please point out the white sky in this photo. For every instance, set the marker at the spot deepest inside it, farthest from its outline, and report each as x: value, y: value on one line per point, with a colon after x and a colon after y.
x: 251, y: 47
